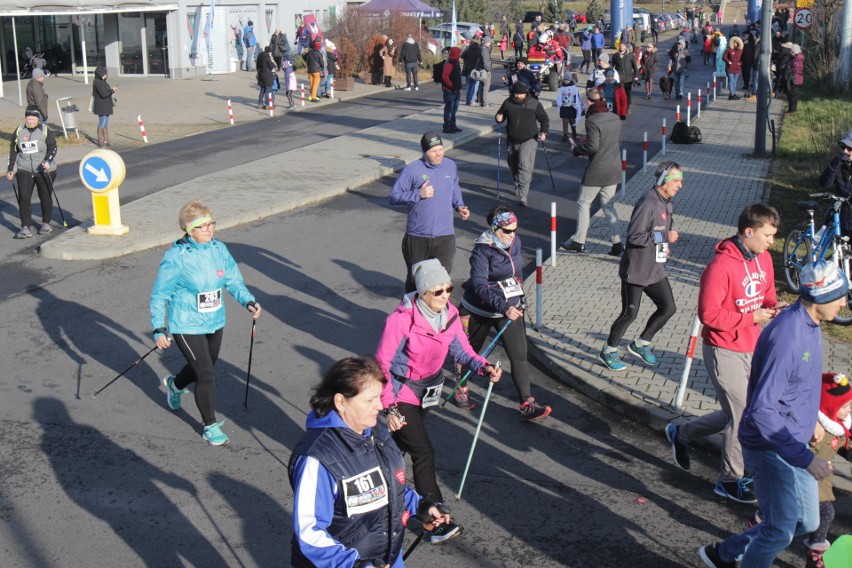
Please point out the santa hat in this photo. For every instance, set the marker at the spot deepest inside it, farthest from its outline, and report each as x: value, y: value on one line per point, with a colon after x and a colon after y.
x: 836, y: 391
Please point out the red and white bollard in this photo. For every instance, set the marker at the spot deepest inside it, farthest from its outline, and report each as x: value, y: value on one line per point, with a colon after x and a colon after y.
x: 230, y: 112
x: 623, y: 171
x: 142, y: 129
x: 708, y: 92
x: 645, y: 152
x: 302, y: 86
x: 714, y: 86
x: 331, y: 88
x: 538, y: 282
x: 688, y: 109
x: 687, y: 365
x: 664, y: 136
x: 269, y: 105
x: 677, y: 114
x: 698, y: 114
x: 552, y: 233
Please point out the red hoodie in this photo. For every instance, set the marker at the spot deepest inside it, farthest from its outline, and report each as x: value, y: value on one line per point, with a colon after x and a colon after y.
x: 731, y: 289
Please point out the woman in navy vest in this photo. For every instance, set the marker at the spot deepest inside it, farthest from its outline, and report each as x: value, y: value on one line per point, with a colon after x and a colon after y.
x: 348, y: 477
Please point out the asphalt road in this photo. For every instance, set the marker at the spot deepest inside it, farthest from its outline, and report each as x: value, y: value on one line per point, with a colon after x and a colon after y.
x: 121, y: 480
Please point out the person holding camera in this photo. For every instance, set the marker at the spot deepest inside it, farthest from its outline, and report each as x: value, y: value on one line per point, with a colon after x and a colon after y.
x: 837, y: 178
x: 494, y: 297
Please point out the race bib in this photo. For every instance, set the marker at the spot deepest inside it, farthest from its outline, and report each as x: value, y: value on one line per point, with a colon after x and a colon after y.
x: 209, y: 301
x: 30, y: 147
x: 432, y: 395
x: 365, y: 492
x: 662, y: 252
x: 511, y: 288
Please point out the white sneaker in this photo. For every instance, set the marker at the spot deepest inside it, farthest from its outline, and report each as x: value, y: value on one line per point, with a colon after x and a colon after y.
x: 416, y: 88
x: 407, y: 89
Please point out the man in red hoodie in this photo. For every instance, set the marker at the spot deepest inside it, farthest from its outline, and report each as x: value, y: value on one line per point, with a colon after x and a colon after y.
x: 736, y: 297
x: 451, y: 85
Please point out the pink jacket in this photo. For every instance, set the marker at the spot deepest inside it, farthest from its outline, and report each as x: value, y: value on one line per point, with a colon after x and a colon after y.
x: 412, y: 349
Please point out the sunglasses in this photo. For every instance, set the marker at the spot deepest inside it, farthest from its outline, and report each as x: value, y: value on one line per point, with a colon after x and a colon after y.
x: 440, y: 292
x: 207, y: 226
x: 508, y: 231
x: 846, y: 148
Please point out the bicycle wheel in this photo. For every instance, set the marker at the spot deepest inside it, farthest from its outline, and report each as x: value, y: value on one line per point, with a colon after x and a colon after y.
x: 797, y: 253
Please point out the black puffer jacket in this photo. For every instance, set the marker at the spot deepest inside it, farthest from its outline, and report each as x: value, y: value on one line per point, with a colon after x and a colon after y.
x: 523, y: 120
x: 102, y: 93
x: 265, y: 68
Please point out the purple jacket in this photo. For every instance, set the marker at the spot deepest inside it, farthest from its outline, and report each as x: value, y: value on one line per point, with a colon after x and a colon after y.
x: 784, y: 388
x: 411, y: 348
x: 432, y: 217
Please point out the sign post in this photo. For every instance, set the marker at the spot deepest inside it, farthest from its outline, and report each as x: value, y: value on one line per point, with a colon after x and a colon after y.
x: 102, y: 172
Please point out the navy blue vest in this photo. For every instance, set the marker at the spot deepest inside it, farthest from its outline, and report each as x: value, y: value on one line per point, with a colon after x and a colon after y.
x: 370, y: 504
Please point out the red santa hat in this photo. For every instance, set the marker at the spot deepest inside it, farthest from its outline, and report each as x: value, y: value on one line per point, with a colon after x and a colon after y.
x: 836, y: 391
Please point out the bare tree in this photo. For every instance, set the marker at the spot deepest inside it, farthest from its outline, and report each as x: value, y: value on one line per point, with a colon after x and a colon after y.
x: 823, y: 50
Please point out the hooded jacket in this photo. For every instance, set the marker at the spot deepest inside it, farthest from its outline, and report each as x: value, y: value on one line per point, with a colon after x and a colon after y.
x: 489, y: 265
x: 731, y: 289
x: 102, y: 104
x: 350, y: 501
x: 190, y: 282
x: 451, y: 75
x: 411, y: 349
x: 431, y: 217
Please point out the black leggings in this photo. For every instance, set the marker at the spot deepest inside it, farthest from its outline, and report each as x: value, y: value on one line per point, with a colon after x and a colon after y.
x: 26, y: 180
x: 514, y: 341
x: 416, y: 249
x: 826, y: 516
x: 413, y: 439
x: 631, y: 296
x: 587, y: 59
x: 201, y: 352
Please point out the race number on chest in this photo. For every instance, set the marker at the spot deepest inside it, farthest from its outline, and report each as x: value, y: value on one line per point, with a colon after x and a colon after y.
x: 365, y: 492
x: 209, y: 301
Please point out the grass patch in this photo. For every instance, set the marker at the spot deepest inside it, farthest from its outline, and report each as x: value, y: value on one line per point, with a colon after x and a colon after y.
x: 808, y: 142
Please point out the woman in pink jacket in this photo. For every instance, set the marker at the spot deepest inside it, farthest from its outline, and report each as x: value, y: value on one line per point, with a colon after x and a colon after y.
x: 418, y: 335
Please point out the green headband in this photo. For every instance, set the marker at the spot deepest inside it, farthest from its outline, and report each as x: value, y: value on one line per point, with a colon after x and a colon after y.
x: 678, y: 175
x: 198, y: 222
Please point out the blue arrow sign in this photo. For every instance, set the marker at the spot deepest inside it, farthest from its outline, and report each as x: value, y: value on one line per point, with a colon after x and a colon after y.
x: 96, y: 173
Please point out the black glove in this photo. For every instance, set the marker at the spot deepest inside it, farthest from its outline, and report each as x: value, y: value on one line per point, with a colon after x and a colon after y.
x: 576, y: 151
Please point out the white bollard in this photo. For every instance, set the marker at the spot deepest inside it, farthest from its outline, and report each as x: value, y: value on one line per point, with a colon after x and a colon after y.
x: 142, y: 129
x: 269, y: 105
x: 687, y: 365
x: 698, y: 114
x: 552, y: 233
x: 331, y: 88
x: 677, y: 114
x: 302, y: 86
x: 230, y: 112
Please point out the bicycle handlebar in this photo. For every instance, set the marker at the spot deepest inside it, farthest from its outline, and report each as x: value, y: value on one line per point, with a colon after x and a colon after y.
x: 831, y: 196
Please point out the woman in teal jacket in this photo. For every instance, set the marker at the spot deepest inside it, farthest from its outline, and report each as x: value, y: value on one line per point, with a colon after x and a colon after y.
x: 190, y: 281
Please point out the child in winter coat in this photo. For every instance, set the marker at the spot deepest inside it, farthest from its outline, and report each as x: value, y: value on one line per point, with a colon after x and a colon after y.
x: 830, y: 436
x: 570, y: 105
x: 504, y: 43
x: 289, y: 82
x: 613, y: 93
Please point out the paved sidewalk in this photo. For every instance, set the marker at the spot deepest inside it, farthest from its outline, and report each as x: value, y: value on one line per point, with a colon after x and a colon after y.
x: 582, y: 292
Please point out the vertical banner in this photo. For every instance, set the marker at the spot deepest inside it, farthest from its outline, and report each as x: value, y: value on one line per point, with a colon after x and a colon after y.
x: 208, y: 33
x: 453, y: 27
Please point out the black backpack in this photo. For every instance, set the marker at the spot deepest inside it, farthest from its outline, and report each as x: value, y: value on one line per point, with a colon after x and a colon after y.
x: 438, y: 72
x: 683, y: 134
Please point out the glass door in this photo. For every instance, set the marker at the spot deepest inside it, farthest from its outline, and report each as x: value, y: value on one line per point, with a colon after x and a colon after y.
x: 130, y: 48
x: 157, y: 43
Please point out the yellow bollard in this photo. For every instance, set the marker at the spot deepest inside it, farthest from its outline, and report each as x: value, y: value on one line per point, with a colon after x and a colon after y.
x: 102, y: 172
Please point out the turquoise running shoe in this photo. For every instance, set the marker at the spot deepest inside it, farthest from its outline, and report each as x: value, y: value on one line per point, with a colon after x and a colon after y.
x: 173, y: 395
x: 214, y: 435
x: 643, y: 353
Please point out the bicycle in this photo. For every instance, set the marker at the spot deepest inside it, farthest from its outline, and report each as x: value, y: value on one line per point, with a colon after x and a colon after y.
x: 831, y: 245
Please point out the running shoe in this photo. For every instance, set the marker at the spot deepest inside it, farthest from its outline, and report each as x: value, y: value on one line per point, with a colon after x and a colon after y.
x: 739, y: 490
x: 443, y: 533
x: 616, y: 250
x: 680, y: 451
x: 24, y: 233
x: 612, y: 360
x: 819, y: 546
x: 214, y: 435
x: 710, y: 555
x: 172, y: 394
x: 462, y: 399
x: 45, y: 229
x: 643, y: 353
x: 530, y: 410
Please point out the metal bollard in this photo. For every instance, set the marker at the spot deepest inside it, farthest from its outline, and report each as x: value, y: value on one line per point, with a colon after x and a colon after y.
x: 538, y: 290
x: 552, y: 233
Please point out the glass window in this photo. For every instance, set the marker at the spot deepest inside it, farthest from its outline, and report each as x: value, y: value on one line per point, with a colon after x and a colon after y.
x: 157, y: 43
x: 130, y: 43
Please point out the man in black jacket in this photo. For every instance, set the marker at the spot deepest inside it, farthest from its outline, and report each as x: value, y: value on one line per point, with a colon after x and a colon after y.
x: 410, y: 57
x: 625, y: 63
x: 526, y: 124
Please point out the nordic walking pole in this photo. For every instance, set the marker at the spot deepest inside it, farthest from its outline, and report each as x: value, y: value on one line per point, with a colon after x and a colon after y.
x: 413, y: 546
x: 248, y: 374
x: 499, y: 143
x: 547, y: 159
x: 485, y: 352
x: 49, y: 183
x: 121, y: 374
x: 476, y: 436
x: 15, y: 189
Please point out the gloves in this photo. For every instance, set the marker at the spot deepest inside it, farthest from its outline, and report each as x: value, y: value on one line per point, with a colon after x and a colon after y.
x: 845, y: 157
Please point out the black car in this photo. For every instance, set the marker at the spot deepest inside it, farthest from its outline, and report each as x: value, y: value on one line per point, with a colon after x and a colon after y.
x: 530, y: 17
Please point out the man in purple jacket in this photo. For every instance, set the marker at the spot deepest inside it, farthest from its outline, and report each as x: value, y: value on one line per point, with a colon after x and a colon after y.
x: 779, y: 421
x: 430, y: 188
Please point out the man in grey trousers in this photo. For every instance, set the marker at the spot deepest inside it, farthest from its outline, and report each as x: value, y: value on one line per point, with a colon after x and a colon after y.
x: 602, y: 175
x: 484, y: 64
x: 526, y: 124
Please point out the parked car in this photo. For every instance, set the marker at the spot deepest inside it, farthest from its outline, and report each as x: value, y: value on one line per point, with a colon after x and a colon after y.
x: 442, y: 37
x: 530, y: 17
x: 467, y: 28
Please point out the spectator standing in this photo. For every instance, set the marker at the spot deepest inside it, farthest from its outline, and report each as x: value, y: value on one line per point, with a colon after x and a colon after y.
x: 331, y: 58
x: 523, y: 74
x: 250, y: 41
x: 518, y: 44
x: 290, y: 84
x: 526, y: 124
x: 597, y: 42
x: 102, y: 103
x: 409, y: 54
x: 649, y: 68
x: 721, y: 47
x: 570, y: 105
x: 388, y: 53
x: 31, y: 158
x: 265, y: 75
x: 280, y: 47
x: 837, y: 178
x: 314, y: 60
x: 484, y: 64
x: 239, y: 46
x: 451, y: 88
x: 504, y: 43
x: 678, y: 63
x: 625, y: 63
x: 642, y: 268
x: 603, y: 148
x: 795, y: 68
x: 586, y: 49
x: 35, y: 93
x: 733, y: 65
x: 430, y: 189
x: 736, y: 297
x: 749, y: 58
x: 469, y: 59
x: 779, y: 420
